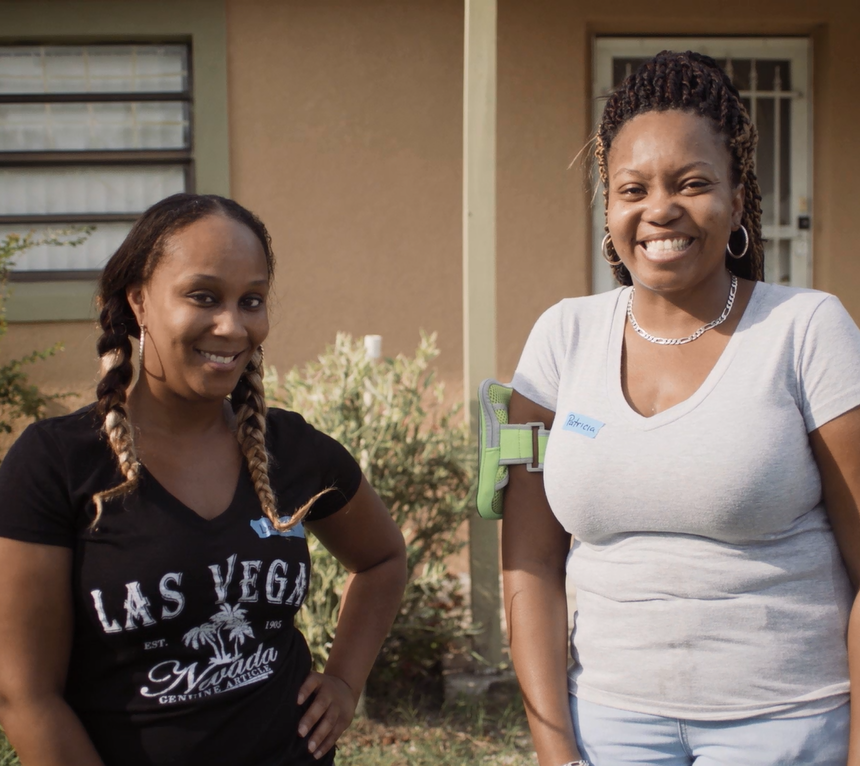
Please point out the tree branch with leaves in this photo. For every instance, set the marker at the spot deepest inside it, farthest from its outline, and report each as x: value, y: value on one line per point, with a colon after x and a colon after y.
x: 18, y: 397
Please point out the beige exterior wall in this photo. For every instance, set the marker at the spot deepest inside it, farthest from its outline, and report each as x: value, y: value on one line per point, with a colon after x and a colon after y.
x: 345, y: 125
x: 543, y: 223
x: 71, y: 371
x: 346, y: 134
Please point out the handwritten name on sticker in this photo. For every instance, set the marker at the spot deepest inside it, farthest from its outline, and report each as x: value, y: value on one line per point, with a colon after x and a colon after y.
x: 263, y: 527
x: 581, y: 424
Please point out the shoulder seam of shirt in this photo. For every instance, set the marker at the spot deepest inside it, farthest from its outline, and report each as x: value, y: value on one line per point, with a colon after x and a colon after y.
x: 42, y: 427
x: 797, y: 362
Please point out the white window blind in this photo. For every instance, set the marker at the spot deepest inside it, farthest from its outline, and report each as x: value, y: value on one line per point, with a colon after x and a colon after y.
x: 93, y: 127
x: 89, y: 135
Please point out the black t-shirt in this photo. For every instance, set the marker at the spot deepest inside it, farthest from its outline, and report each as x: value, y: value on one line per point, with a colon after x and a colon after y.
x: 184, y: 649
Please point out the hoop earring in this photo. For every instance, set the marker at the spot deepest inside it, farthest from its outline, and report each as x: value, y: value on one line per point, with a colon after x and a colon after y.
x: 746, y: 245
x: 140, y: 345
x: 605, y: 253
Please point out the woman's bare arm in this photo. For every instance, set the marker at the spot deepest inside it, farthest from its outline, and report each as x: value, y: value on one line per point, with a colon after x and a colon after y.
x: 836, y: 446
x: 534, y: 551
x: 365, y: 539
x: 36, y: 636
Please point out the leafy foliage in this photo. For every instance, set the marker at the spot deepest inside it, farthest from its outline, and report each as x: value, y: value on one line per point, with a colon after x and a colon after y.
x: 18, y: 398
x: 7, y: 754
x: 418, y: 455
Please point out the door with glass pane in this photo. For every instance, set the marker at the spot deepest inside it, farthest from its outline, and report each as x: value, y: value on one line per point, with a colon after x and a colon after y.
x: 773, y: 77
x: 89, y: 135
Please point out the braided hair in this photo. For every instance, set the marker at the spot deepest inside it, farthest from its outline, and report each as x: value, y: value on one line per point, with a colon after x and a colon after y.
x: 691, y: 82
x: 133, y: 264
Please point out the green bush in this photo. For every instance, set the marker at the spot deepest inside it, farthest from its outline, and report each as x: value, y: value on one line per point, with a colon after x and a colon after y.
x: 7, y: 754
x: 18, y: 398
x: 418, y: 455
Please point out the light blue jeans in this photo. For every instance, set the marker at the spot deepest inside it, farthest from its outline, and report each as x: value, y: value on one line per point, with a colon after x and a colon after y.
x: 610, y: 737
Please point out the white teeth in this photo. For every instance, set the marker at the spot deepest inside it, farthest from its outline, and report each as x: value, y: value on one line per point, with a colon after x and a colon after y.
x: 665, y: 245
x: 219, y: 359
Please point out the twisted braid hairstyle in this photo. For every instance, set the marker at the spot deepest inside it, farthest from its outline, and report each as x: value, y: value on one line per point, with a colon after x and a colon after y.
x: 249, y: 403
x: 691, y: 82
x: 133, y: 264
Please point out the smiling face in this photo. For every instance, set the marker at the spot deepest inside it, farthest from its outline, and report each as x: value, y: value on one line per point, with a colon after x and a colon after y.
x: 204, y: 308
x: 672, y: 204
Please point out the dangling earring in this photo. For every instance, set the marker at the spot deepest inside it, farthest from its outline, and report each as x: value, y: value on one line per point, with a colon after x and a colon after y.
x: 605, y: 252
x: 140, y: 348
x: 746, y: 245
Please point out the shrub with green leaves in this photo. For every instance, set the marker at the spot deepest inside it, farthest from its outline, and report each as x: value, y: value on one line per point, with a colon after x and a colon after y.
x: 19, y: 398
x: 7, y: 754
x: 418, y: 455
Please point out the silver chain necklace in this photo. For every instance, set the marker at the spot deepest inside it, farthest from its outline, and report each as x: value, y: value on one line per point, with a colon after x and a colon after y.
x: 690, y: 338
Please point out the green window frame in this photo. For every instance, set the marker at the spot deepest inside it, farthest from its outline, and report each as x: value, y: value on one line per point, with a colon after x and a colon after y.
x: 200, y: 24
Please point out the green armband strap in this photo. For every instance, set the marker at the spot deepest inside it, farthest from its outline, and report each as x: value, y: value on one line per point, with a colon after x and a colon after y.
x: 501, y: 444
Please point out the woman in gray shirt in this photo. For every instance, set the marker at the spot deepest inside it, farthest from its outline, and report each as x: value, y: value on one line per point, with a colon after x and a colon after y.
x: 714, y: 501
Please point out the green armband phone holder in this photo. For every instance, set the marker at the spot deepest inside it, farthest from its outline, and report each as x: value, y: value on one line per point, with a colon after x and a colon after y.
x: 501, y: 444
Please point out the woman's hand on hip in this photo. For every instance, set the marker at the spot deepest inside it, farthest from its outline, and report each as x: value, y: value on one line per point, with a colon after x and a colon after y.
x: 331, y: 711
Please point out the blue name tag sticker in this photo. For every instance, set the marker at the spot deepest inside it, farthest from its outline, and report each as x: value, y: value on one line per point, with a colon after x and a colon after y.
x: 263, y: 527
x: 582, y: 424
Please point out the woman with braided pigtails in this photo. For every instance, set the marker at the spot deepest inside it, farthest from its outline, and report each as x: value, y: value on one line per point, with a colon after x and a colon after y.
x: 154, y: 543
x: 703, y: 462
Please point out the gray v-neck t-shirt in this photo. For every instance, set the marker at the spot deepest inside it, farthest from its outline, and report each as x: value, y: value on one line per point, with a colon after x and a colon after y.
x: 709, y: 584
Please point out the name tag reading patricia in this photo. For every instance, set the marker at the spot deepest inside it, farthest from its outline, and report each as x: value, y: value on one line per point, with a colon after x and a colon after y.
x: 581, y: 424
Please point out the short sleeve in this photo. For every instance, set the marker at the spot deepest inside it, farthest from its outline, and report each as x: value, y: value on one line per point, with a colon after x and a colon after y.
x: 341, y: 474
x: 35, y: 506
x: 305, y: 461
x: 828, y: 370
x: 537, y: 374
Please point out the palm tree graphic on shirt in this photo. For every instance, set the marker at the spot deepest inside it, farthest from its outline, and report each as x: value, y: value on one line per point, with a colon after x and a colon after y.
x: 229, y: 621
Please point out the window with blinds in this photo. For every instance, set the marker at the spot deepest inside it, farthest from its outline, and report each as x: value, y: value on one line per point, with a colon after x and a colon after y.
x: 89, y: 135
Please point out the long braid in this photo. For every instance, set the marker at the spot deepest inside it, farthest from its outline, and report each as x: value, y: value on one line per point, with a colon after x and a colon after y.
x: 690, y: 82
x: 249, y: 403
x: 619, y: 270
x: 744, y: 148
x: 114, y: 348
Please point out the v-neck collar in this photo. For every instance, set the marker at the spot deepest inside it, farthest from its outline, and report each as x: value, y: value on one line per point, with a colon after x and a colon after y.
x: 188, y: 515
x: 673, y: 413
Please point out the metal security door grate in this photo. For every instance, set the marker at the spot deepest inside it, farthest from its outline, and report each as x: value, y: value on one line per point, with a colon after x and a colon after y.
x: 772, y: 78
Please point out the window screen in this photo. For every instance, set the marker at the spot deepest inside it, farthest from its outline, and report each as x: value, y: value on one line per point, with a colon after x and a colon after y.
x: 89, y: 135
